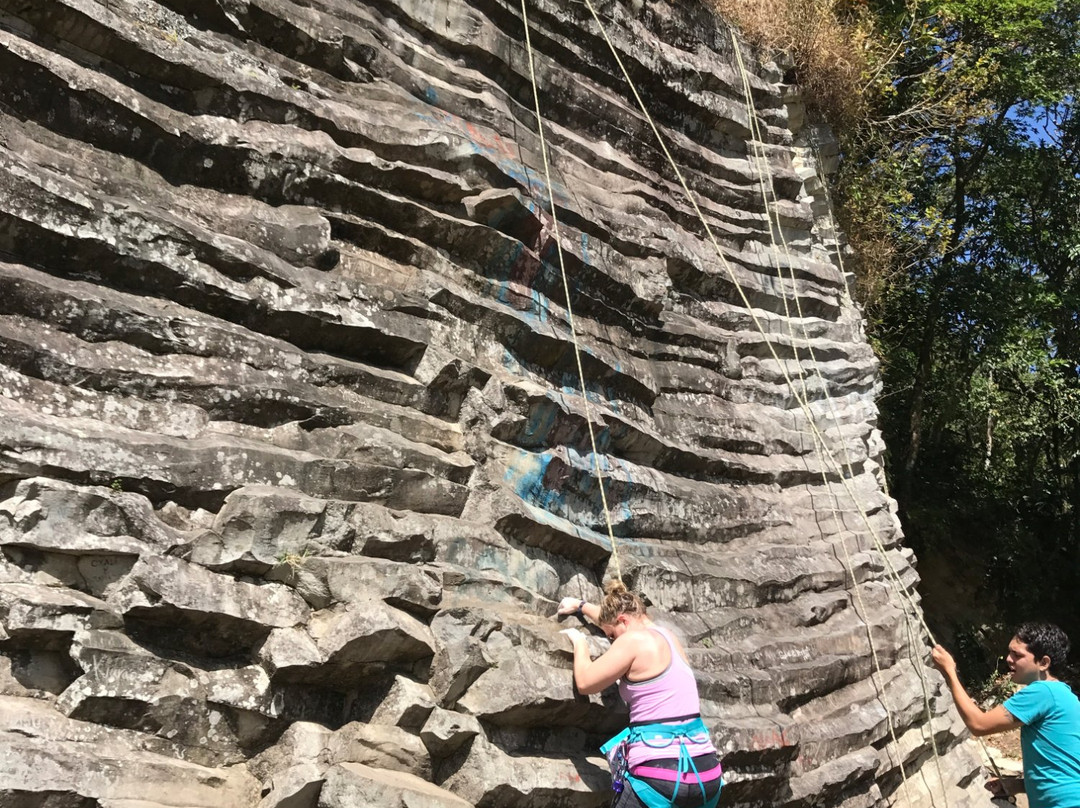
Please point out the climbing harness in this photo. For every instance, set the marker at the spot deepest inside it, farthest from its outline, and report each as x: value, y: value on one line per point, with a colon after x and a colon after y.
x: 658, y: 735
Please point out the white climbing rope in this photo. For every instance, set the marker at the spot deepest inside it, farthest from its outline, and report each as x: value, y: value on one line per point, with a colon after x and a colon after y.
x: 768, y: 189
x: 840, y: 264
x: 801, y: 400
x: 566, y: 289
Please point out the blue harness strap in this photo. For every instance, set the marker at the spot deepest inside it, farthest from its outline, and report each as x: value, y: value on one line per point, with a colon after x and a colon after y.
x: 657, y: 736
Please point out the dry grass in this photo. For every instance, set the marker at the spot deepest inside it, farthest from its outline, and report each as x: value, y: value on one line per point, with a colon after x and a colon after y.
x: 840, y: 62
x: 826, y: 40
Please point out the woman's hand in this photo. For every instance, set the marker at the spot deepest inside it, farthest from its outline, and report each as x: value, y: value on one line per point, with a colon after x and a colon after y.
x: 570, y: 606
x: 575, y: 636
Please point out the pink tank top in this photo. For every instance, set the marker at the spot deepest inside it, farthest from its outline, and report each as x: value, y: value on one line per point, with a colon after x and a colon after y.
x: 671, y: 694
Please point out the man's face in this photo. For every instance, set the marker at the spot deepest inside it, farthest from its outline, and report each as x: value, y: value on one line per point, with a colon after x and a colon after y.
x: 1022, y: 663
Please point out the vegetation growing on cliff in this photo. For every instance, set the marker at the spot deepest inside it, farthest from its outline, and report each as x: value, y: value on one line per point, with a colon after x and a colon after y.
x: 960, y: 192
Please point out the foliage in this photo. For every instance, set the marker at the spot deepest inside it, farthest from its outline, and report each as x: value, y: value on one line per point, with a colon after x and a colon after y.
x: 993, y: 690
x: 983, y: 671
x: 293, y: 560
x: 978, y: 337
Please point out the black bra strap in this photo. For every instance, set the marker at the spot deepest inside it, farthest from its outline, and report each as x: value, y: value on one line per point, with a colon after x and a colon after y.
x: 676, y: 720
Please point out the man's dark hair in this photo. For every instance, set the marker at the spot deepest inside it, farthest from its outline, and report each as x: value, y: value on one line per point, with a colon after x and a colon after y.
x: 1045, y: 639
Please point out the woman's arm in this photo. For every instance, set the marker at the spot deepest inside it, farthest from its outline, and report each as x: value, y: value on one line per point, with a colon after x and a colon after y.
x: 590, y: 611
x: 593, y: 675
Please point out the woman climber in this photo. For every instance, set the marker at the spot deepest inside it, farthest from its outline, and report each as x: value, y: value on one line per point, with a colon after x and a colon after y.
x: 665, y: 756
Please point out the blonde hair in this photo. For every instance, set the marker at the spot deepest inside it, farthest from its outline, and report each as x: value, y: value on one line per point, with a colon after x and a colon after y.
x: 619, y: 600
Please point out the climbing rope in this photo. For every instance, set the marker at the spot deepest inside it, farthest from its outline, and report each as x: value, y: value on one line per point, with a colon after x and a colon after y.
x: 768, y: 189
x: 840, y: 264
x: 763, y: 171
x: 566, y: 289
x: 801, y: 400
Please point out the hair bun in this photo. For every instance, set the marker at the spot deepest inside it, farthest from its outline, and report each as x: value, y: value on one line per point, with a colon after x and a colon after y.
x: 615, y: 587
x: 619, y: 600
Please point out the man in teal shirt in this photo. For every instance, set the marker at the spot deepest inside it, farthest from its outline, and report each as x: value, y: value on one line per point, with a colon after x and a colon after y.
x: 1046, y: 710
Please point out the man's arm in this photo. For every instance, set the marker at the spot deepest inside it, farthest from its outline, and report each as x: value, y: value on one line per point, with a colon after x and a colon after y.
x: 979, y: 722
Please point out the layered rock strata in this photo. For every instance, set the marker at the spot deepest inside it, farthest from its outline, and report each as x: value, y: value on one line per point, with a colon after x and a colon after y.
x: 294, y: 456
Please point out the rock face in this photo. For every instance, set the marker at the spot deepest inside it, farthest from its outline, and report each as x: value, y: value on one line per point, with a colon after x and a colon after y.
x: 294, y: 457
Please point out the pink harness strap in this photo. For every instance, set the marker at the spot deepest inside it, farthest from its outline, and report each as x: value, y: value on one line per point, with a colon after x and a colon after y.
x: 657, y: 773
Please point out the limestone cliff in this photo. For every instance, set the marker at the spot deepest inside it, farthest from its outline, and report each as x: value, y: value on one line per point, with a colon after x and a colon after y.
x: 294, y: 458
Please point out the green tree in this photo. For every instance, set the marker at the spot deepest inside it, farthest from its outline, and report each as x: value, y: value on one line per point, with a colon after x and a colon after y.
x: 971, y: 153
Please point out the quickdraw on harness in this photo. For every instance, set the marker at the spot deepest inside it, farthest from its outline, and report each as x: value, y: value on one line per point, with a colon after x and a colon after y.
x: 659, y: 735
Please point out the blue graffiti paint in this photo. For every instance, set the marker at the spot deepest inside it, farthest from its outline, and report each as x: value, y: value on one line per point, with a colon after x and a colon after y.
x: 527, y: 478
x: 533, y: 305
x: 510, y: 362
x: 540, y: 423
x: 572, y: 494
x: 618, y: 483
x: 502, y: 267
x: 571, y: 387
x: 496, y: 148
x: 605, y: 398
x: 515, y: 271
x: 540, y: 302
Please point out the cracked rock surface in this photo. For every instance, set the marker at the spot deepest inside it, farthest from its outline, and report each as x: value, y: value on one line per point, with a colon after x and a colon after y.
x: 295, y: 462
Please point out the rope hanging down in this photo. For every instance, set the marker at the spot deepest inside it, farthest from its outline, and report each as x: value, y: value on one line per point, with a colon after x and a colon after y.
x: 819, y: 438
x: 600, y: 479
x: 801, y: 400
x: 765, y: 180
x: 908, y: 606
x: 768, y: 189
x: 840, y: 263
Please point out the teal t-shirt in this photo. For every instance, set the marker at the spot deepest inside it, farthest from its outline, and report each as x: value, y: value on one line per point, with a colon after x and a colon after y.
x: 1050, y: 740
